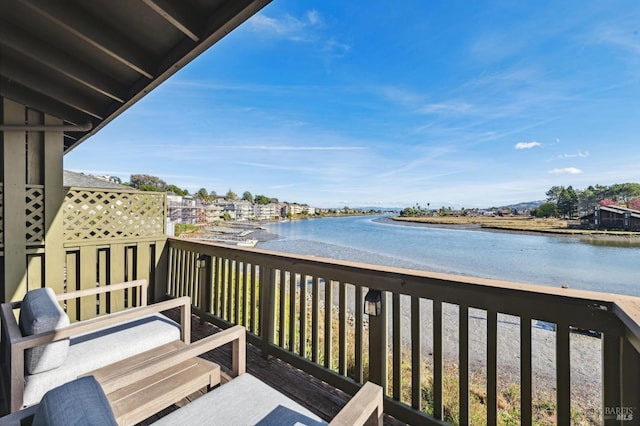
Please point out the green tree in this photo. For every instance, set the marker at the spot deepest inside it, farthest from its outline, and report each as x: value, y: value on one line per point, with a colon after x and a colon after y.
x: 547, y: 209
x: 247, y: 196
x: 568, y: 202
x: 176, y: 190
x: 212, y: 195
x: 261, y: 199
x: 203, y: 194
x: 147, y: 182
x: 231, y: 195
x: 553, y: 194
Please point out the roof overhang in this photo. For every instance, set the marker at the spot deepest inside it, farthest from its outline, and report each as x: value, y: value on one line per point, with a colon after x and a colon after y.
x: 86, y: 62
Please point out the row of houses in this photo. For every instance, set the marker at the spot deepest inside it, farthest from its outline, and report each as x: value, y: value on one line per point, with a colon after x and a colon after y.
x: 192, y: 210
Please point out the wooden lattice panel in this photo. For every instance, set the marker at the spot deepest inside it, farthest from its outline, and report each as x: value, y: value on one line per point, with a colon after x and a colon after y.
x: 1, y: 214
x: 35, y: 214
x: 101, y: 214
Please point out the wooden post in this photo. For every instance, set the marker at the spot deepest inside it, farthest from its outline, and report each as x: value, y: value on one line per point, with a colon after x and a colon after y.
x: 267, y: 310
x: 14, y: 178
x: 378, y: 335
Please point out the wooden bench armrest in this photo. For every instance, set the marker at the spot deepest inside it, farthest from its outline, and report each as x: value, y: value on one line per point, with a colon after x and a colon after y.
x: 94, y: 324
x: 235, y: 335
x: 365, y: 408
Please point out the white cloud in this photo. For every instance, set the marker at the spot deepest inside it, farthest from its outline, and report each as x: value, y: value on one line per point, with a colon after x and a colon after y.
x: 288, y: 26
x: 565, y: 171
x: 527, y: 145
x: 579, y: 154
x: 446, y: 107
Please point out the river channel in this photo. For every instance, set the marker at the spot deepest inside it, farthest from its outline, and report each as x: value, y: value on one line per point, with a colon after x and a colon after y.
x: 535, y: 259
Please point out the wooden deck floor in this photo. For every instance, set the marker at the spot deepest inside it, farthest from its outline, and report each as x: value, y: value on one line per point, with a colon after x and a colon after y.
x: 322, y: 399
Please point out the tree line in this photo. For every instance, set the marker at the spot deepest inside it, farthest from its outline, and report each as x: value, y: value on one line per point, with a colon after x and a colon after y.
x: 572, y: 203
x: 144, y: 182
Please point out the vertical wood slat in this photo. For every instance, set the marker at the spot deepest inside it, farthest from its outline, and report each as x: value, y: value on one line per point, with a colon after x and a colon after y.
x: 238, y: 275
x: 246, y: 278
x: 188, y: 273
x: 342, y: 328
x: 143, y: 262
x: 378, y: 342
x: 103, y: 279
x: 292, y: 311
x: 267, y: 313
x: 176, y: 272
x: 611, y: 372
x: 359, y: 367
x: 315, y: 319
x: 563, y: 371
x: 35, y: 150
x: 224, y: 288
x: 437, y: 359
x: 88, y: 274
x: 130, y: 273
x: 216, y: 285
x: 416, y: 356
x: 397, y: 348
x: 282, y: 292
x: 35, y: 273
x: 492, y: 368
x: 630, y: 372
x: 14, y: 217
x: 303, y: 315
x: 171, y: 271
x: 328, y: 326
x: 116, y: 261
x: 463, y: 371
x: 254, y: 288
x: 71, y: 262
x: 53, y: 198
x: 526, y: 414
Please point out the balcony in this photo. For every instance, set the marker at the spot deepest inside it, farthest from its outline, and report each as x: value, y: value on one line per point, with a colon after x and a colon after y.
x: 443, y: 346
x: 436, y: 345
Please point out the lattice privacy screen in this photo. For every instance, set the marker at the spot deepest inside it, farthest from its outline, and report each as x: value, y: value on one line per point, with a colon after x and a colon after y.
x: 35, y: 214
x: 101, y: 214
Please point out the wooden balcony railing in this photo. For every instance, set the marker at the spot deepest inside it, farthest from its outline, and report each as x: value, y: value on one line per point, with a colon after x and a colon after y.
x: 309, y: 312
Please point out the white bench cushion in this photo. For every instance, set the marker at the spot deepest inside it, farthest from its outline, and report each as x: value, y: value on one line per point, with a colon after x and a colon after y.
x: 244, y: 400
x: 97, y: 349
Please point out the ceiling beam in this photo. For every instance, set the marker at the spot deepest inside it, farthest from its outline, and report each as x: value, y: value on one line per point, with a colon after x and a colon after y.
x: 90, y: 30
x: 177, y: 15
x: 61, y: 62
x: 25, y: 96
x: 43, y: 83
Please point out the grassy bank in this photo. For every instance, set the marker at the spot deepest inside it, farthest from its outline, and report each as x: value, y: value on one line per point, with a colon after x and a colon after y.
x: 517, y: 224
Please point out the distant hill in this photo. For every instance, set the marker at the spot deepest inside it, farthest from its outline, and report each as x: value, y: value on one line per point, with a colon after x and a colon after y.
x: 525, y: 205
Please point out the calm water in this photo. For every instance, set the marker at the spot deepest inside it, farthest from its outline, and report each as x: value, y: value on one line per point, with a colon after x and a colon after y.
x: 552, y: 261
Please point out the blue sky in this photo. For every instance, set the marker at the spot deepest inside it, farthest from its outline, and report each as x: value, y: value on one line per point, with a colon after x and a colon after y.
x: 334, y: 103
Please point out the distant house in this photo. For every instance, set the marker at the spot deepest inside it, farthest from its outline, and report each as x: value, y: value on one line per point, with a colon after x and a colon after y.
x: 612, y: 217
x: 79, y: 180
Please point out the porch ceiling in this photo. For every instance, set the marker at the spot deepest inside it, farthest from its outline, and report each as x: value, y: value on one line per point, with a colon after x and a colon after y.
x: 88, y: 61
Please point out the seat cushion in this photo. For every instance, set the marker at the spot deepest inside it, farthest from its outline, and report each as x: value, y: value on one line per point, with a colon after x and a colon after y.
x: 79, y: 402
x: 245, y: 400
x: 97, y: 349
x: 39, y: 313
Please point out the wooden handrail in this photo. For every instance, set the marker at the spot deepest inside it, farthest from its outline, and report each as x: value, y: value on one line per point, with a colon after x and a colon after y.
x: 616, y: 318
